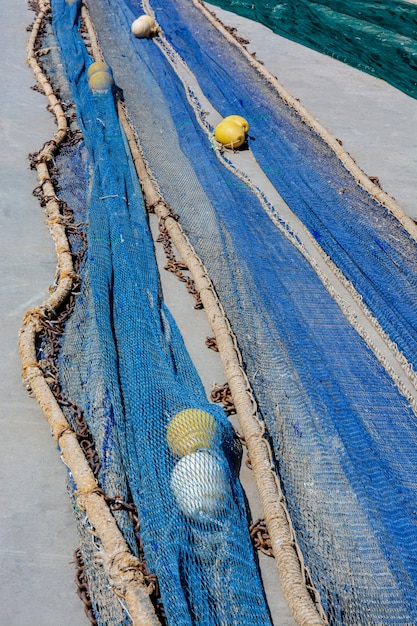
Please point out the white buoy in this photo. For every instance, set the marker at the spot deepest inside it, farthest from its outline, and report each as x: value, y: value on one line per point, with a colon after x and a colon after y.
x: 143, y: 26
x: 199, y: 485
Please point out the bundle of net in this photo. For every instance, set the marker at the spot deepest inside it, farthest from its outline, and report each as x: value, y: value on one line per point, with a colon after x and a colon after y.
x: 176, y: 448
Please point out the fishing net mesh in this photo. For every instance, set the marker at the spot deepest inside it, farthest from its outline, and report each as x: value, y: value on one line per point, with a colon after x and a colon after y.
x: 344, y: 438
x: 160, y: 443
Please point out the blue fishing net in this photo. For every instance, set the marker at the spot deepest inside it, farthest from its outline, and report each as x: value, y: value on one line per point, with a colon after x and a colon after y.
x: 344, y: 437
x: 160, y: 442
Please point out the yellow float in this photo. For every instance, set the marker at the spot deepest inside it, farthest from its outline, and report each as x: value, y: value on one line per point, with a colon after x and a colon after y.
x: 191, y: 430
x: 238, y: 119
x: 100, y: 81
x: 98, y: 66
x: 229, y: 134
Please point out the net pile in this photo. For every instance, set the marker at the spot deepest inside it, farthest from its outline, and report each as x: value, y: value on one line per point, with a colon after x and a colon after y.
x: 344, y: 437
x: 377, y: 37
x: 160, y: 443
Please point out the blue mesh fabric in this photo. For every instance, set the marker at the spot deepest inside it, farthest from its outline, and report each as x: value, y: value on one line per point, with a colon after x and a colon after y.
x: 125, y: 364
x: 344, y: 438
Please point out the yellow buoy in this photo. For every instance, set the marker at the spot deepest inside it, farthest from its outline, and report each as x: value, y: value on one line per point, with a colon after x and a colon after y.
x: 98, y: 66
x: 191, y: 430
x: 100, y: 81
x: 143, y: 26
x: 230, y: 134
x: 238, y: 119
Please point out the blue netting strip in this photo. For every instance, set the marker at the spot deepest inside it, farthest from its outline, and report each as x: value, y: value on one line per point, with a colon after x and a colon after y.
x: 344, y: 438
x: 190, y: 504
x: 365, y: 242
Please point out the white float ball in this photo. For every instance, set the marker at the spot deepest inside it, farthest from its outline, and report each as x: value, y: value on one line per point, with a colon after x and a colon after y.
x: 143, y: 26
x: 199, y: 485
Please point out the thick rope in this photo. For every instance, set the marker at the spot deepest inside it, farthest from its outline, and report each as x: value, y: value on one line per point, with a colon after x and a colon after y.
x: 122, y: 567
x: 288, y: 557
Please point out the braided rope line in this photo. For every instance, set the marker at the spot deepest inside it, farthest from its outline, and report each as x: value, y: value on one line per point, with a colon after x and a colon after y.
x: 288, y: 557
x: 121, y: 566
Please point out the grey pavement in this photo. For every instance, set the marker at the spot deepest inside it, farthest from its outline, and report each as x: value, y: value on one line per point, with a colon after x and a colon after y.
x: 37, y: 533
